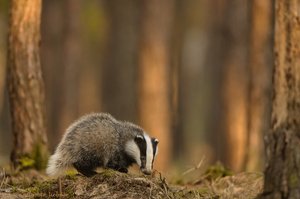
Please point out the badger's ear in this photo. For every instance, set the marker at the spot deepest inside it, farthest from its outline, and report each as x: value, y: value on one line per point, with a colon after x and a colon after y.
x: 155, y: 141
x: 138, y: 138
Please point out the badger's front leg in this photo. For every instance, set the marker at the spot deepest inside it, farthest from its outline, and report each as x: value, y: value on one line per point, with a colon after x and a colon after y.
x: 117, y: 167
x: 123, y: 170
x: 118, y: 163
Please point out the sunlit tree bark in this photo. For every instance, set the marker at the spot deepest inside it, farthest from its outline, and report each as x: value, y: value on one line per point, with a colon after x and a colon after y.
x: 25, y: 83
x: 282, y: 174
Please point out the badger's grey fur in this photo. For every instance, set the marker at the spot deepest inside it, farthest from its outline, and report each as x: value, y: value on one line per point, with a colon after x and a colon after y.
x: 99, y: 140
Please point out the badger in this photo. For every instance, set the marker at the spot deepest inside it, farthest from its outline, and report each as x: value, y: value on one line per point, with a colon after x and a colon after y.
x: 99, y: 140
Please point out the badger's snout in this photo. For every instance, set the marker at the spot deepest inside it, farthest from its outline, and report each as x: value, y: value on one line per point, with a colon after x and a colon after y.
x: 146, y: 171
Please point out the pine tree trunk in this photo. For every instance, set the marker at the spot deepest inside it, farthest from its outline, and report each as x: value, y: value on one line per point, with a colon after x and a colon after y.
x: 234, y: 84
x: 153, y: 76
x: 71, y: 63
x: 118, y: 76
x: 282, y: 174
x: 260, y: 59
x: 3, y: 26
x: 51, y: 61
x: 214, y: 60
x: 25, y: 84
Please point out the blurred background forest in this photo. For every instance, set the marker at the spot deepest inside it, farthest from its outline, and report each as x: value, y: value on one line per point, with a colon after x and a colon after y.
x: 194, y: 73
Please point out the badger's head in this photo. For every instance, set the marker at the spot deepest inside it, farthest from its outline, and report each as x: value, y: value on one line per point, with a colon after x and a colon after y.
x: 143, y: 149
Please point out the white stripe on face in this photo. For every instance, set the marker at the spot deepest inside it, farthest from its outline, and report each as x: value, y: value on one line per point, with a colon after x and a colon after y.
x: 149, y: 152
x: 133, y: 150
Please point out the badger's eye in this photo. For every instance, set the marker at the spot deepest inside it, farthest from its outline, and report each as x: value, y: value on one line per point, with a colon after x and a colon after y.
x: 143, y: 158
x: 139, y: 138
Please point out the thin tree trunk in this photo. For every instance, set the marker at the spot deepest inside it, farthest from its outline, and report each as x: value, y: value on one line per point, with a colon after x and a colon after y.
x: 61, y: 60
x: 226, y: 59
x: 118, y: 77
x: 2, y: 79
x: 215, y: 56
x: 235, y: 83
x: 153, y: 76
x: 71, y: 63
x: 25, y: 83
x: 260, y: 51
x: 51, y: 58
x: 177, y: 85
x: 3, y: 27
x: 94, y: 37
x: 282, y: 174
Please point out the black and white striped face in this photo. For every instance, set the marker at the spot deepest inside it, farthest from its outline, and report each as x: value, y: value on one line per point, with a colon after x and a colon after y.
x: 143, y: 149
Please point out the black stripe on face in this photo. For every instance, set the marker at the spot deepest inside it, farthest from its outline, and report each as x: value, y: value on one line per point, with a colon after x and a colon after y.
x: 154, y: 145
x: 141, y: 142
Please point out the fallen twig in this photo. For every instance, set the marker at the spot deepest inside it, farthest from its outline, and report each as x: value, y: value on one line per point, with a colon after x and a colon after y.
x: 194, y: 168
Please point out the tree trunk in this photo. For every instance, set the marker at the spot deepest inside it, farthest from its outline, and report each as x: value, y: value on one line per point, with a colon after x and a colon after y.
x: 215, y: 56
x: 153, y: 76
x: 4, y: 130
x: 61, y: 58
x: 51, y: 59
x: 25, y: 84
x: 2, y: 75
x: 260, y: 51
x: 118, y: 77
x: 71, y: 63
x: 177, y: 85
x: 282, y: 174
x: 234, y: 84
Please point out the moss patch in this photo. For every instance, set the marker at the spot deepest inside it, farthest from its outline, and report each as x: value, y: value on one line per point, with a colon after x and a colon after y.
x: 26, y: 162
x: 40, y: 155
x: 217, y: 171
x: 37, y: 159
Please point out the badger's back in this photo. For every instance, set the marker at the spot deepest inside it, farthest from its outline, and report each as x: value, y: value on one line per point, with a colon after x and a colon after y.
x: 94, y: 136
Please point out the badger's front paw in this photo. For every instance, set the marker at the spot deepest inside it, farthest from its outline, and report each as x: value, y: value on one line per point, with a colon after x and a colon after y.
x: 123, y: 170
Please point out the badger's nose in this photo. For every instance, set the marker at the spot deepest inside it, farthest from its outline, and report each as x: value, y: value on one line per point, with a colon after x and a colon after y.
x: 147, y: 172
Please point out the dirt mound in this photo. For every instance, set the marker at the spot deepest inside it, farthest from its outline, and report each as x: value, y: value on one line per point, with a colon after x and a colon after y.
x: 111, y: 184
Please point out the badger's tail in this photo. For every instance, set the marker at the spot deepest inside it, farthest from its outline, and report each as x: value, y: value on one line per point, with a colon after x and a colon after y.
x: 57, y: 164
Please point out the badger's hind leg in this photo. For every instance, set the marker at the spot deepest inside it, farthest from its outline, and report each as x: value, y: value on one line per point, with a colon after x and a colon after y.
x: 85, y: 169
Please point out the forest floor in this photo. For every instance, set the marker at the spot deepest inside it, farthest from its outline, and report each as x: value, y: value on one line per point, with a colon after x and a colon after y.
x: 112, y: 184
